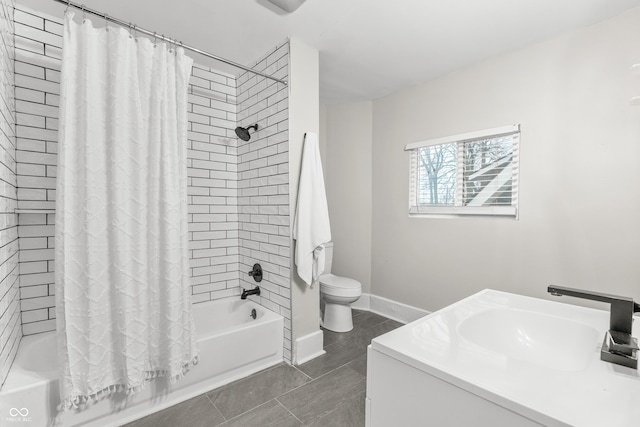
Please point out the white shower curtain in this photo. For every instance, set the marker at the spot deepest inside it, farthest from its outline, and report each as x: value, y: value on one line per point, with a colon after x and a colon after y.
x: 121, y: 261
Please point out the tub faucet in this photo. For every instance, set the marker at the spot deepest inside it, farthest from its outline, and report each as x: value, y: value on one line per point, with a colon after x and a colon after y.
x: 619, y: 346
x: 246, y: 293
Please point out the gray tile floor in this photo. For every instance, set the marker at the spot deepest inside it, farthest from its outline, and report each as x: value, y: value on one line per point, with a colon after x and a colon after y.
x: 326, y: 391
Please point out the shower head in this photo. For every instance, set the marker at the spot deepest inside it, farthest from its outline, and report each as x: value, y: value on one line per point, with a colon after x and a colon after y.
x: 243, y: 133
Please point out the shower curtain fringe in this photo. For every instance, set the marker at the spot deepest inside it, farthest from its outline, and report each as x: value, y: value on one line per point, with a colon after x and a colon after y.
x: 83, y: 401
x: 167, y: 39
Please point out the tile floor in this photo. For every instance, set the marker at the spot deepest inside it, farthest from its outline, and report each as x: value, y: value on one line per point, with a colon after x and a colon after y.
x: 326, y: 391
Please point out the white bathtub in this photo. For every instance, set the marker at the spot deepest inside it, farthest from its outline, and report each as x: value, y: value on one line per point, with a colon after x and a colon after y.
x: 232, y: 345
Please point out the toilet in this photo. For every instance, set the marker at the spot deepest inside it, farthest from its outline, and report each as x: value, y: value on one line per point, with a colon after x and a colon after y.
x: 336, y: 295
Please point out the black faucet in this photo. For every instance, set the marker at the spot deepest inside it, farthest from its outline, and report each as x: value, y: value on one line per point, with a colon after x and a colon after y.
x: 256, y: 272
x: 618, y: 346
x: 246, y: 293
x: 622, y: 308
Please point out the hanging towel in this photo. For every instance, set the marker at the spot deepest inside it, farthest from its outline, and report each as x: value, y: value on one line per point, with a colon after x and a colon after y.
x: 311, y: 228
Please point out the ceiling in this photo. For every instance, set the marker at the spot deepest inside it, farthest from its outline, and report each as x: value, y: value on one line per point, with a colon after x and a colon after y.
x: 368, y: 48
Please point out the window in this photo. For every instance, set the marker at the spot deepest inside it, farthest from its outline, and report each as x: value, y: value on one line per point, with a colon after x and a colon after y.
x: 470, y: 174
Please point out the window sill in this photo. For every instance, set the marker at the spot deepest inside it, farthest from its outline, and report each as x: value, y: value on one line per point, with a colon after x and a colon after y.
x: 463, y: 211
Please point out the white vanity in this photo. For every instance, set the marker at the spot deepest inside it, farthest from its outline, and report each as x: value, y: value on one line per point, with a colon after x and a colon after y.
x: 498, y: 359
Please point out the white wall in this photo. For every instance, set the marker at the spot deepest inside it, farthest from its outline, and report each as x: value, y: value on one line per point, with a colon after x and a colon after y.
x: 323, y: 140
x: 579, y: 206
x: 348, y: 151
x: 304, y: 116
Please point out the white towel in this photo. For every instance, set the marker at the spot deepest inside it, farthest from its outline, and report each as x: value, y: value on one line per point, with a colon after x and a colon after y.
x: 311, y: 228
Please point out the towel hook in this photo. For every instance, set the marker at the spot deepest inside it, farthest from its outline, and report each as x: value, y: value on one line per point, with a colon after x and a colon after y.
x: 68, y: 6
x: 106, y: 22
x: 84, y: 15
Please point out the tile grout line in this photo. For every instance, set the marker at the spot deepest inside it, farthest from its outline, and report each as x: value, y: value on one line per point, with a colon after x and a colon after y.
x: 333, y: 344
x: 238, y: 381
x: 311, y: 379
x: 287, y: 409
x: 214, y: 405
x: 301, y: 385
x: 321, y: 376
x: 297, y: 369
x: 337, y: 367
x: 248, y: 410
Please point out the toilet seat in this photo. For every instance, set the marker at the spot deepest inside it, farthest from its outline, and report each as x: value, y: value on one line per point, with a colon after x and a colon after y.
x: 338, y: 286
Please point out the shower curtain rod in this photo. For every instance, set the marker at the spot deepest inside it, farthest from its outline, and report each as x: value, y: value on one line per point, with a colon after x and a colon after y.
x: 175, y: 42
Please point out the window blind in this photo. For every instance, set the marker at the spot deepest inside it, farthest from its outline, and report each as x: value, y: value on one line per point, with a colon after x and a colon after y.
x: 474, y: 173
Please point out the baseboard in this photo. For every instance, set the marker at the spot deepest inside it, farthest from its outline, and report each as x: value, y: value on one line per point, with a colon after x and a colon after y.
x: 308, y: 347
x: 363, y: 303
x: 388, y: 308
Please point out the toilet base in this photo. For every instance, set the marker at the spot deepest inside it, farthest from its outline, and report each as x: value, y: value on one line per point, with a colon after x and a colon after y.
x: 337, y: 317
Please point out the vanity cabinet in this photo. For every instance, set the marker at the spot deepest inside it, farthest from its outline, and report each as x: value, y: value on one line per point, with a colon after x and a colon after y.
x: 399, y: 394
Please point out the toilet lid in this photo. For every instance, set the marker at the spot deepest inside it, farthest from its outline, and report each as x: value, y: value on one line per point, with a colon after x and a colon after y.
x: 333, y: 281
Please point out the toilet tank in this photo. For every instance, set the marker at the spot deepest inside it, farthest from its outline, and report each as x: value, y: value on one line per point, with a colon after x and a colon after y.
x: 328, y: 257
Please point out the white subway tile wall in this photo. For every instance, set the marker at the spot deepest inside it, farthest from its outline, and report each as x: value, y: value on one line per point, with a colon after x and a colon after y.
x: 10, y: 331
x: 263, y: 185
x: 212, y: 169
x: 37, y: 78
x: 213, y: 185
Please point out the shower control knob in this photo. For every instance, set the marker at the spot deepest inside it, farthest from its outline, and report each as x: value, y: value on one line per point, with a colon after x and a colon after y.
x: 256, y: 273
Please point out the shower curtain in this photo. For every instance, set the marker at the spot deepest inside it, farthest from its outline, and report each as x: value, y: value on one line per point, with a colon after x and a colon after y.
x: 121, y: 261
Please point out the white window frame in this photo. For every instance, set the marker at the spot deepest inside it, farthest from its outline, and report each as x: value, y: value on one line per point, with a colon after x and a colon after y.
x: 458, y: 208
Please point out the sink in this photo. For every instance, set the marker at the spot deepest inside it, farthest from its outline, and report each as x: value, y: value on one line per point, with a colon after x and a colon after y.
x: 537, y: 338
x: 501, y: 359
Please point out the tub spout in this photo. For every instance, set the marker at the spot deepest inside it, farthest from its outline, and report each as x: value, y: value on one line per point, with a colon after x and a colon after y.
x: 246, y: 293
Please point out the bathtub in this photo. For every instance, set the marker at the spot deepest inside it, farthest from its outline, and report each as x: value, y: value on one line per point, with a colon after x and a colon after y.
x: 232, y: 345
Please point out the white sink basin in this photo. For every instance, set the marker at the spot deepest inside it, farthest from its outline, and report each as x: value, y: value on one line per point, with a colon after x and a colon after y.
x: 495, y: 354
x: 544, y: 340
